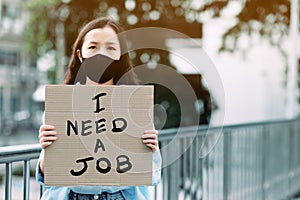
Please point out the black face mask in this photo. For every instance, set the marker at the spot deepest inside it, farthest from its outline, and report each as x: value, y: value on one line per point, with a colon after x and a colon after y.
x: 99, y: 68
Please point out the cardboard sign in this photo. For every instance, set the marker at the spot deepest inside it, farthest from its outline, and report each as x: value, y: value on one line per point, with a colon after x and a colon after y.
x: 99, y: 130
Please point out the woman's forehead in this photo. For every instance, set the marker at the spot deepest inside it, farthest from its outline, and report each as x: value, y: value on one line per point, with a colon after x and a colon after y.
x: 101, y: 35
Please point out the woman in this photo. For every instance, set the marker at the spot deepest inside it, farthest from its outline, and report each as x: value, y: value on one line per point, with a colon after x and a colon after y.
x: 100, y: 38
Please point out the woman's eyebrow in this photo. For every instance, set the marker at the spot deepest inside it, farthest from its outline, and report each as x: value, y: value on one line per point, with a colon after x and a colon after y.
x: 105, y: 42
x: 93, y: 42
x: 111, y: 43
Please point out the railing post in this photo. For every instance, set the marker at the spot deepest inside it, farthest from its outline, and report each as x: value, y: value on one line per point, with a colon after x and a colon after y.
x: 290, y: 157
x: 26, y: 174
x: 226, y: 165
x: 264, y: 163
x: 8, y: 181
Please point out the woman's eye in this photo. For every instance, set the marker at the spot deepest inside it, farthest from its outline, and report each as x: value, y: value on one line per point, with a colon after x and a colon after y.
x: 92, y: 47
x: 111, y: 48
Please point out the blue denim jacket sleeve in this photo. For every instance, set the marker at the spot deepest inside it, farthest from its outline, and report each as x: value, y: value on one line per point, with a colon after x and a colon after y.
x: 39, y: 176
x: 156, y: 167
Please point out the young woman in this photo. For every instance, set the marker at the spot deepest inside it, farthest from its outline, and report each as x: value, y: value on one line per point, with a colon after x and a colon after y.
x: 99, y: 38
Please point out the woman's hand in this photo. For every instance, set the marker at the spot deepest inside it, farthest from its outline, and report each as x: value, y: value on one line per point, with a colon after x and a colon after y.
x: 47, y: 135
x: 150, y: 139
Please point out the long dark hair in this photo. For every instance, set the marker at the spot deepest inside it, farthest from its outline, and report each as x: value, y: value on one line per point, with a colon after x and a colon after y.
x: 74, y: 63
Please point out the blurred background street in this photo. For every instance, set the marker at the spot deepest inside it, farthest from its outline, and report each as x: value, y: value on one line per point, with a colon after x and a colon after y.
x: 23, y: 136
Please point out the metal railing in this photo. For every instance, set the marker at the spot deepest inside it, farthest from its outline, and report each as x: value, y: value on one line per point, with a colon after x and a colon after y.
x: 12, y: 154
x: 249, y: 161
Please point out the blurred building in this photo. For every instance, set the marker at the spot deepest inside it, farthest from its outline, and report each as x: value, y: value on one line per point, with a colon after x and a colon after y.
x: 18, y: 76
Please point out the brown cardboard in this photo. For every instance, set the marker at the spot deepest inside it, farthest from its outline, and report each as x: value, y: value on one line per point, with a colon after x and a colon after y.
x: 67, y: 104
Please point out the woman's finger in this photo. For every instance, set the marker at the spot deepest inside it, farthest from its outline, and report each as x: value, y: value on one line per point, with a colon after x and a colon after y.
x: 47, y: 133
x: 46, y: 144
x: 149, y: 141
x: 46, y: 127
x: 47, y: 139
x: 149, y: 136
x: 152, y: 147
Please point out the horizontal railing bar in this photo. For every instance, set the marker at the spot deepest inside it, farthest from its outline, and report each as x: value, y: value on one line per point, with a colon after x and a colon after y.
x: 19, y: 153
x: 166, y: 134
x: 263, y: 123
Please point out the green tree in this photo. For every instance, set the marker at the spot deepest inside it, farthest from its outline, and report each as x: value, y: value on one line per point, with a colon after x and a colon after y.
x: 45, y: 14
x: 270, y: 20
x: 39, y: 32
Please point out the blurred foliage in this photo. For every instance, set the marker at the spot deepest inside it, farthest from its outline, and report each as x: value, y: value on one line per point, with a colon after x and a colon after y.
x: 262, y: 17
x: 44, y: 15
x: 270, y: 20
x: 39, y: 33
